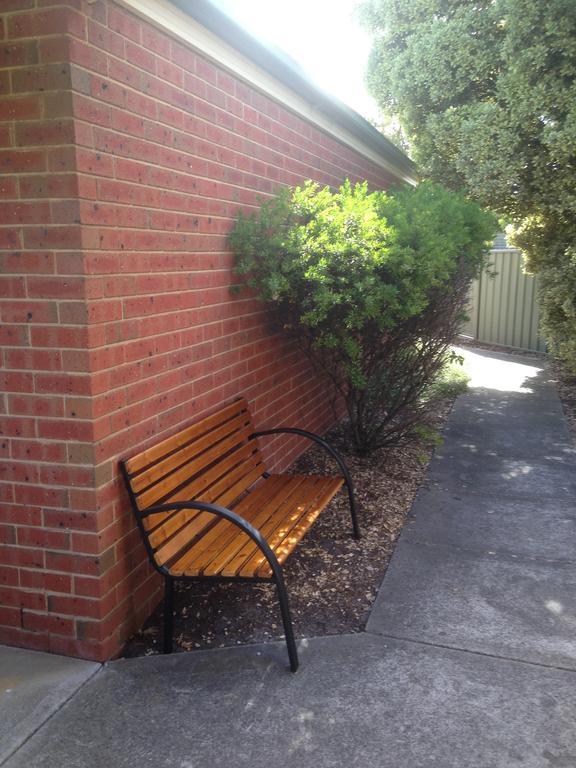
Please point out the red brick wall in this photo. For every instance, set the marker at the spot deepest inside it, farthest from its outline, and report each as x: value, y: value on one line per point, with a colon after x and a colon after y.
x: 124, y: 157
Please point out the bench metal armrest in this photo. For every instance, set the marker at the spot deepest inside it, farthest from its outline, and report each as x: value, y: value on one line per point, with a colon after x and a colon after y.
x: 227, y: 514
x: 316, y: 439
x: 335, y: 455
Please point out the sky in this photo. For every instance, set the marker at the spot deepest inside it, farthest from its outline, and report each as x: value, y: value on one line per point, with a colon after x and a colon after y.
x: 324, y: 37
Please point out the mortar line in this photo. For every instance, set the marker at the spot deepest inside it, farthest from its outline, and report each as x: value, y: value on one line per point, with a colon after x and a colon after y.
x: 459, y: 649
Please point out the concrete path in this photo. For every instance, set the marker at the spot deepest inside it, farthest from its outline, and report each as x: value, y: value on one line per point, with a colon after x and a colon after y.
x: 469, y: 659
x: 33, y: 687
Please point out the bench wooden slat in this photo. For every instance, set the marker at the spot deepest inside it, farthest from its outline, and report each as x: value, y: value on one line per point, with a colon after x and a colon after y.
x: 287, y: 513
x: 157, y: 452
x: 242, y: 460
x: 229, y: 488
x: 194, y: 535
x: 168, y: 487
x: 238, y: 549
x: 212, y: 559
x: 258, y: 565
x: 248, y: 509
x: 283, y: 510
x: 223, y: 492
x: 218, y: 494
x: 184, y: 455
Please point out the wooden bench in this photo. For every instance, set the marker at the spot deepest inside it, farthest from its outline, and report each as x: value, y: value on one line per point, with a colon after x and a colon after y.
x: 208, y: 509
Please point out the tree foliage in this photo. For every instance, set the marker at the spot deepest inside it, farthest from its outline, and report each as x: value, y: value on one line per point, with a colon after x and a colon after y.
x: 486, y: 93
x: 371, y: 284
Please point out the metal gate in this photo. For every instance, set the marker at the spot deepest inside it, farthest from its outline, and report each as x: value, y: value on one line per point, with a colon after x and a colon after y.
x: 503, y: 309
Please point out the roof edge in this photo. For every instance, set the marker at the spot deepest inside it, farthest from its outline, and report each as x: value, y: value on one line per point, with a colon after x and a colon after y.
x: 278, y: 64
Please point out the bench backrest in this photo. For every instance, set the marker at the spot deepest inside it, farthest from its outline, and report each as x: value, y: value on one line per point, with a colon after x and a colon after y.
x: 213, y: 460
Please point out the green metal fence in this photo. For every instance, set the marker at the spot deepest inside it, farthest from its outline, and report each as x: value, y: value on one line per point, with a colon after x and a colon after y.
x: 503, y: 309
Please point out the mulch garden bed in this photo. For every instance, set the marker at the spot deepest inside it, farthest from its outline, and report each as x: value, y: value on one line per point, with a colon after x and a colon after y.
x: 332, y: 579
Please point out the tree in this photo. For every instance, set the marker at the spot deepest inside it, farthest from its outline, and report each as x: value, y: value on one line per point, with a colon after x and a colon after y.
x: 372, y: 285
x: 486, y: 93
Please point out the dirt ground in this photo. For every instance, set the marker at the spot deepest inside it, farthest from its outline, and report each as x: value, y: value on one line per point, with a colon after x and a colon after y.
x: 332, y: 579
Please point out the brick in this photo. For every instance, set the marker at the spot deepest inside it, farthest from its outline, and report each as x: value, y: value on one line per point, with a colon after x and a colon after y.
x: 59, y: 336
x: 20, y: 472
x: 20, y: 108
x: 74, y: 606
x: 61, y: 287
x: 125, y: 73
x: 168, y: 71
x: 14, y: 335
x: 15, y: 5
x: 67, y: 212
x: 65, y: 429
x: 30, y: 405
x: 73, y: 564
x: 24, y: 213
x: 40, y: 622
x: 77, y: 4
x: 15, y: 636
x: 9, y: 239
x: 44, y: 77
x: 48, y: 582
x: 32, y: 450
x: 21, y: 557
x: 36, y: 133
x: 9, y: 577
x: 53, y: 185
x: 140, y: 57
x: 141, y: 105
x: 105, y: 90
x: 58, y: 104
x: 76, y: 360
x: 34, y: 359
x: 5, y: 86
x: 70, y: 519
x: 43, y: 538
x: 68, y: 237
x: 79, y: 408
x: 39, y: 496
x: 22, y: 161
x: 16, y: 381
x: 155, y: 41
x: 29, y: 312
x: 22, y: 599
x: 48, y: 22
x: 80, y: 453
x: 62, y: 383
x: 115, y: 216
x: 54, y: 49
x: 91, y: 651
x: 7, y: 534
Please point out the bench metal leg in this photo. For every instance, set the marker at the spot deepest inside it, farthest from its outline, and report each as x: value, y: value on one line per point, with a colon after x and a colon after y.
x: 287, y: 621
x: 168, y: 614
x: 354, y: 512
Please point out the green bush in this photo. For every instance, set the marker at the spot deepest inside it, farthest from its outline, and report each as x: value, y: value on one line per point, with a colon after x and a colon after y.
x: 550, y: 250
x: 372, y: 285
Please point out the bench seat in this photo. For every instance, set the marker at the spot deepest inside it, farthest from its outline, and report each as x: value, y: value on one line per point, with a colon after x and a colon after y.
x: 282, y: 508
